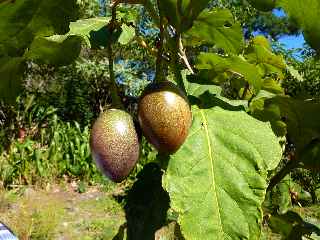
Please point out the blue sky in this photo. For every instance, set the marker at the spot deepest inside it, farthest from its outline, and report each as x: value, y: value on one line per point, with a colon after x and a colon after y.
x: 289, y: 41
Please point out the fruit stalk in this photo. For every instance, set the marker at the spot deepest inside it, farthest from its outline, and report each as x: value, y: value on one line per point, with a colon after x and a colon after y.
x: 159, y: 63
x: 116, y: 100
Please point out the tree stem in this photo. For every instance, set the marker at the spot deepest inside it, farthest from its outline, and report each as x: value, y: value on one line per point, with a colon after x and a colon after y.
x: 281, y: 174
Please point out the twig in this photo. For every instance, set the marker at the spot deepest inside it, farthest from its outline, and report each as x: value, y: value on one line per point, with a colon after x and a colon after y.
x: 281, y: 174
x: 183, y: 56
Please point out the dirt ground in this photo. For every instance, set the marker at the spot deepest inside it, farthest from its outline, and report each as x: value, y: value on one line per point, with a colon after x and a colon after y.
x: 61, y: 213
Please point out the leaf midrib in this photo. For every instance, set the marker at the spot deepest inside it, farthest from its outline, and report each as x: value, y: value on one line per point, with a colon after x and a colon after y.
x: 205, y: 123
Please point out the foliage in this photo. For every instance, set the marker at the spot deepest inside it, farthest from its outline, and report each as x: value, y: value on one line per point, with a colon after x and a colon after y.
x: 55, y: 149
x: 23, y: 22
x: 218, y: 179
x: 227, y: 171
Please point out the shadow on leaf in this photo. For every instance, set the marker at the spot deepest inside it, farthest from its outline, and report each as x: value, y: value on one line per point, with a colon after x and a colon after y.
x: 103, y: 37
x: 209, y: 100
x: 147, y: 204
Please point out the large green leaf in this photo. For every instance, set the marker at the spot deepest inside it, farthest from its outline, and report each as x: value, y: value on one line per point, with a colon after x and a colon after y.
x: 306, y: 14
x: 11, y: 71
x: 302, y: 118
x: 50, y: 52
x: 216, y: 27
x: 217, y: 179
x: 22, y: 20
x: 83, y: 28
x: 231, y: 64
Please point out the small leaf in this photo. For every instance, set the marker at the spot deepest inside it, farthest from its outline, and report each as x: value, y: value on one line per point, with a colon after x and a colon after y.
x: 280, y: 196
x: 260, y: 53
x: 272, y: 86
x: 209, y: 95
x: 231, y: 64
x: 54, y: 53
x: 83, y: 28
x: 128, y: 33
x: 217, y: 179
x: 192, y: 11
x: 217, y: 28
x: 169, y: 232
x: 292, y: 226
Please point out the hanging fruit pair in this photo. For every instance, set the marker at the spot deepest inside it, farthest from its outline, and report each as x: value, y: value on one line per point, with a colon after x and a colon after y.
x: 164, y: 116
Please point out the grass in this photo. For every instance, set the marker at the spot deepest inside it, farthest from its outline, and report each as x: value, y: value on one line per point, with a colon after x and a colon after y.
x: 61, y: 214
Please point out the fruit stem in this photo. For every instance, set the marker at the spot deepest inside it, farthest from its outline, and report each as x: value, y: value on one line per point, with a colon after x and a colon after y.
x: 116, y: 100
x: 159, y: 63
x: 175, y: 64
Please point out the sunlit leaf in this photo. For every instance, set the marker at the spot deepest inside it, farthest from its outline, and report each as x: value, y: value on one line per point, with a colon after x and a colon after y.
x: 83, y: 28
x: 127, y: 34
x: 216, y: 28
x: 217, y: 179
x: 232, y: 64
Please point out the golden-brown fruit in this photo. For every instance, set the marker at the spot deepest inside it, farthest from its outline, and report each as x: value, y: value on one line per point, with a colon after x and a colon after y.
x: 114, y: 144
x: 164, y: 115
